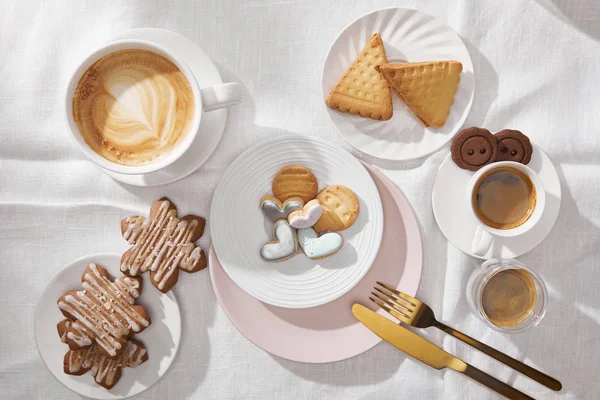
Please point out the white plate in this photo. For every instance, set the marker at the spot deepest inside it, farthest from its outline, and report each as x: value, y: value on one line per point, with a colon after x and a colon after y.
x: 451, y: 208
x: 239, y: 229
x: 212, y: 125
x: 161, y: 338
x: 408, y: 35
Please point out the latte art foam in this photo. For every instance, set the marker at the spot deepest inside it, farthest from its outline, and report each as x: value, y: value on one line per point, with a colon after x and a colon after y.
x: 133, y: 107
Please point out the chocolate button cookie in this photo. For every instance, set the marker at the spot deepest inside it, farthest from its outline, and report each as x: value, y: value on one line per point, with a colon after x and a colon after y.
x: 513, y: 145
x: 473, y: 148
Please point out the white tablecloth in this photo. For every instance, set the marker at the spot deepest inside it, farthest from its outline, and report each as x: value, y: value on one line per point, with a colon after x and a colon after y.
x: 536, y: 69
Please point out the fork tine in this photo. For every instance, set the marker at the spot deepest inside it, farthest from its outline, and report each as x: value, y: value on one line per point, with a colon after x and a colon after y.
x: 393, y: 305
x: 406, y: 304
x: 391, y: 311
x: 402, y: 295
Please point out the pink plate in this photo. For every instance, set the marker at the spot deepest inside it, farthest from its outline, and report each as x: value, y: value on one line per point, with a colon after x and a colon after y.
x: 330, y: 332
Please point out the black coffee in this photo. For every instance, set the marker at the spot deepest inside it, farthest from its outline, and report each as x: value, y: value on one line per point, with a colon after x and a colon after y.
x: 504, y: 198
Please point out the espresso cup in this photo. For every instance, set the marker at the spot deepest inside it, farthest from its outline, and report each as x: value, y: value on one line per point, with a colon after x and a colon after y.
x: 205, y: 100
x: 487, y: 229
x: 507, y: 295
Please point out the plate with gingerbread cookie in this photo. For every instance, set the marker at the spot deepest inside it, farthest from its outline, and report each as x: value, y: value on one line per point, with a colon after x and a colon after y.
x: 106, y: 335
x: 397, y: 84
x: 296, y: 221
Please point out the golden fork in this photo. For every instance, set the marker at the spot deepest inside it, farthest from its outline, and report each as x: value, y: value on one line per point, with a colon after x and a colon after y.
x: 415, y: 313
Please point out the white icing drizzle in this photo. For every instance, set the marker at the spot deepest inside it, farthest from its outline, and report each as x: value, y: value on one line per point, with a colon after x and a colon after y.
x: 161, y: 245
x: 77, y: 334
x: 102, y: 368
x: 103, y: 310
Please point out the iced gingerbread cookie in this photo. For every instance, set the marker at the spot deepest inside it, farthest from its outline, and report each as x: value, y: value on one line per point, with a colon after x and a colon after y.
x: 315, y: 246
x: 162, y: 244
x: 274, y: 209
x: 308, y: 216
x: 103, y: 312
x: 106, y: 371
x: 295, y: 181
x: 285, y: 244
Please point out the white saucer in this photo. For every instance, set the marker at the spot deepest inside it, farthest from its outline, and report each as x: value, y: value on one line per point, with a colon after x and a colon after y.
x: 451, y: 209
x: 408, y: 35
x: 212, y: 125
x: 161, y: 338
x: 239, y: 229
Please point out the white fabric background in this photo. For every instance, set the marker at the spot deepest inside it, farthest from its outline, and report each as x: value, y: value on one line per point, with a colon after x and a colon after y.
x: 536, y: 69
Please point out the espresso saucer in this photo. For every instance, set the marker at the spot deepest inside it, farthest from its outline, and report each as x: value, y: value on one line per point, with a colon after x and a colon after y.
x: 212, y: 125
x: 451, y: 208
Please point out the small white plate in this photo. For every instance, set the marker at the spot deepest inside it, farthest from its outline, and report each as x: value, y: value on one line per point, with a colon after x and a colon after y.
x: 212, y: 125
x: 239, y: 230
x: 451, y: 208
x: 161, y: 338
x: 408, y: 36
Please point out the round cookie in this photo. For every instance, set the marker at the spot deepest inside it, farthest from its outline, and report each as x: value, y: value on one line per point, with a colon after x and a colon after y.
x: 295, y: 181
x: 473, y: 148
x: 513, y: 145
x: 340, y: 208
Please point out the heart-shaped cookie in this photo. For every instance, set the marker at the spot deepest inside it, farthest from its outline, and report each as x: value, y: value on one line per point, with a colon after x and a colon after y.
x: 315, y: 246
x: 307, y: 216
x: 275, y: 210
x: 285, y: 244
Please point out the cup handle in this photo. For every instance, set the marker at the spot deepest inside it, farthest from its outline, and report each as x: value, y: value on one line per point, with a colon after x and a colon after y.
x: 482, y: 241
x: 221, y: 96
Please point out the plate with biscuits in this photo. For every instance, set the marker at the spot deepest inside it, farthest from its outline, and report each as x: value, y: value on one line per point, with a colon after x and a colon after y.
x: 397, y: 84
x: 105, y: 335
x: 296, y: 221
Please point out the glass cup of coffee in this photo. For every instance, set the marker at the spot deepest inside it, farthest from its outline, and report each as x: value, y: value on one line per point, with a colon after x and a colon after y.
x: 506, y: 199
x: 507, y: 295
x: 134, y: 107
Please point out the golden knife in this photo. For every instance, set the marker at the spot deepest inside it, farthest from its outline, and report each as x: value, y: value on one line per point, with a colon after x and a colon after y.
x: 428, y: 353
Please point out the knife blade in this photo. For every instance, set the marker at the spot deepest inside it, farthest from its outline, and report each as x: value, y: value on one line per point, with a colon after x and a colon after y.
x: 427, y: 352
x: 407, y: 341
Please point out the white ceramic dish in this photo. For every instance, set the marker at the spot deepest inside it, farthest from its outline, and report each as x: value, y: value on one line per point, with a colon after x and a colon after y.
x: 239, y: 230
x: 408, y: 36
x: 330, y: 332
x: 161, y: 338
x: 453, y: 212
x: 212, y: 124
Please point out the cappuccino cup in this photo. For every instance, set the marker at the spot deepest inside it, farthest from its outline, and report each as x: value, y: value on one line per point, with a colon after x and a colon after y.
x: 506, y: 199
x: 134, y: 107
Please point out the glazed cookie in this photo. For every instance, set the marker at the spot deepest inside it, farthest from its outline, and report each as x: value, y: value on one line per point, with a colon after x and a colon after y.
x: 275, y: 210
x: 513, y: 145
x: 103, y: 313
x: 285, y: 244
x: 295, y: 181
x: 106, y: 371
x: 163, y: 244
x: 307, y: 216
x: 315, y: 246
x: 340, y: 208
x: 473, y: 148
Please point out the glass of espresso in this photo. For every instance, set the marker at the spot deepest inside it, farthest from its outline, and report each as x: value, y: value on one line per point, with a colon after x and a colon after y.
x: 507, y: 295
x: 506, y: 199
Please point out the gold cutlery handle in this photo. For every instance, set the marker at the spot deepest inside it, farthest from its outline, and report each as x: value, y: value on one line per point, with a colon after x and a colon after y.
x: 517, y: 365
x: 494, y: 384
